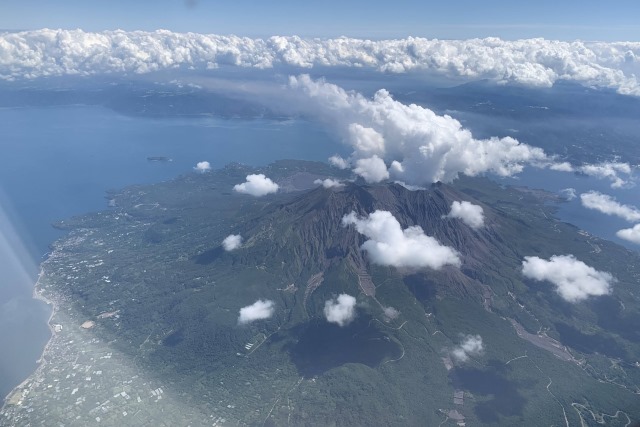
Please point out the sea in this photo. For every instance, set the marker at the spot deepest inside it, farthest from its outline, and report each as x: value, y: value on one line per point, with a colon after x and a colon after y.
x: 57, y: 162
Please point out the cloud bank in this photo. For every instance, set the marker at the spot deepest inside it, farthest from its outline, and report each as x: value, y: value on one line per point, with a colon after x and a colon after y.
x: 532, y: 62
x: 631, y: 234
x: 467, y: 212
x: 470, y: 346
x: 203, y: 167
x: 259, y: 310
x: 340, y: 310
x: 232, y: 242
x: 608, y: 205
x: 390, y: 245
x: 574, y: 280
x: 257, y: 185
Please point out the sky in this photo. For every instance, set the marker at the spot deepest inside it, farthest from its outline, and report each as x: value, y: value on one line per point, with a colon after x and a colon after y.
x: 461, y: 19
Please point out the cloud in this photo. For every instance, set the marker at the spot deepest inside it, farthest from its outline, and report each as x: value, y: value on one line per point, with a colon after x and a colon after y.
x: 562, y: 167
x: 569, y: 193
x: 259, y: 310
x: 532, y: 62
x: 257, y: 185
x: 608, y: 205
x: 409, y: 143
x: 467, y: 212
x: 340, y: 310
x: 470, y: 346
x: 574, y: 280
x: 371, y: 169
x: 631, y: 234
x: 414, y: 145
x: 203, y: 167
x: 338, y: 162
x: 389, y: 245
x: 232, y: 242
x: 390, y: 312
x: 611, y: 171
x: 329, y: 183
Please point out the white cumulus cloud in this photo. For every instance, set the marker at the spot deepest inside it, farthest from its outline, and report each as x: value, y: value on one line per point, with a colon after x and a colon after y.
x: 617, y: 172
x: 338, y: 162
x: 372, y: 169
x: 414, y: 145
x: 232, y: 242
x: 389, y: 244
x: 470, y: 346
x: 631, y: 234
x: 259, y: 310
x: 608, y: 205
x: 574, y: 280
x: 467, y: 212
x: 340, y: 310
x: 409, y: 143
x: 328, y: 183
x: 203, y: 167
x: 257, y: 185
x: 533, y: 62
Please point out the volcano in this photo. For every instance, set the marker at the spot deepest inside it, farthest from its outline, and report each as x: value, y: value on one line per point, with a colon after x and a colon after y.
x: 324, y: 315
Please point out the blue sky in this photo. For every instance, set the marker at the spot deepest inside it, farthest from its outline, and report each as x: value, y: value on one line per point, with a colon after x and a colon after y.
x: 559, y: 19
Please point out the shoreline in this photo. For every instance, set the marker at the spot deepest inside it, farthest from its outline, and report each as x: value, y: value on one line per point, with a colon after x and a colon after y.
x: 41, y: 361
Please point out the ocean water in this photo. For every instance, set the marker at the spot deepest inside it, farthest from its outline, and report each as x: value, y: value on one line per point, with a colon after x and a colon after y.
x: 58, y: 162
x: 572, y: 211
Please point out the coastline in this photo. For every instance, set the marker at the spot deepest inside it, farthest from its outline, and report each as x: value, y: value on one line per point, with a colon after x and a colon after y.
x: 41, y: 361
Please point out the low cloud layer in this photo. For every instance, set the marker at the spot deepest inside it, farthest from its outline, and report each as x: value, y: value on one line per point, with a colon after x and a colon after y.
x: 467, y: 212
x: 390, y: 245
x: 203, y: 166
x: 340, y: 310
x: 470, y: 346
x: 608, y: 205
x: 232, y: 242
x: 574, y: 280
x: 259, y: 310
x: 533, y: 62
x: 257, y: 185
x: 631, y: 234
x: 329, y: 183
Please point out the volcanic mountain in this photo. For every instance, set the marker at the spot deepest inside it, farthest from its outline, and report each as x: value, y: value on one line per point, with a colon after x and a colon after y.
x: 304, y: 323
